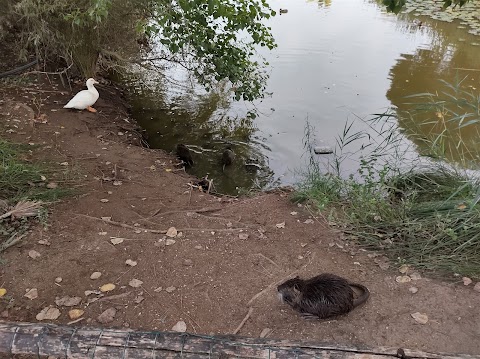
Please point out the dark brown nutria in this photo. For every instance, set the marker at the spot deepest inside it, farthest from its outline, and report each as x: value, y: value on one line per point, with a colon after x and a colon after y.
x: 228, y: 156
x: 184, y: 154
x: 323, y: 296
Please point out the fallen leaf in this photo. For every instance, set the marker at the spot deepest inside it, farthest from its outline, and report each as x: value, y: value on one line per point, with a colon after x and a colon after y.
x: 466, y: 281
x: 170, y: 289
x: 293, y: 214
x: 68, y: 301
x: 138, y: 299
x: 115, y: 240
x: 413, y: 290
x: 308, y: 221
x: 3, y: 291
x: 169, y: 242
x: 43, y: 178
x: 403, y: 269
x: 48, y: 313
x: 33, y: 254
x: 382, y: 262
x: 403, y: 279
x: 52, y: 185
x: 421, y: 318
x: 168, y: 170
x: 117, y: 183
x: 265, y: 332
x: 135, y: 283
x: 107, y: 316
x: 280, y: 225
x: 95, y: 275
x: 44, y: 242
x: 172, y: 232
x: 180, y: 327
x: 159, y: 289
x: 32, y: 294
x: 24, y: 209
x: 477, y: 287
x: 102, y: 233
x: 90, y: 292
x: 75, y: 313
x: 243, y: 236
x: 107, y: 287
x: 130, y: 263
x: 58, y: 280
x: 415, y: 276
x: 461, y: 207
x: 104, y: 200
x: 64, y: 164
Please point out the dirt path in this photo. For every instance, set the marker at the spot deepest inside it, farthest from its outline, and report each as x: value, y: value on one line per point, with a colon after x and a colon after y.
x: 226, y: 259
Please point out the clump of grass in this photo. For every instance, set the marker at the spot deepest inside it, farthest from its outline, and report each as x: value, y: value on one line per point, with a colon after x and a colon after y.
x: 425, y: 214
x: 22, y: 180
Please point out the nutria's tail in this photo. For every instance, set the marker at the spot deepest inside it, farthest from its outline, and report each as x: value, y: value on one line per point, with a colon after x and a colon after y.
x: 363, y: 297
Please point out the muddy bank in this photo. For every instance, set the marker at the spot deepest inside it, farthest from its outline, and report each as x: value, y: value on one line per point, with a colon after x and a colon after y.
x: 224, y: 256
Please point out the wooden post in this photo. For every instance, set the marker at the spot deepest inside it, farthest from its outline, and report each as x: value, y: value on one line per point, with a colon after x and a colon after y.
x: 43, y: 340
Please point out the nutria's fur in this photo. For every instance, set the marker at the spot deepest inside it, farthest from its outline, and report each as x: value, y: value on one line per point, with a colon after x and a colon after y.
x: 184, y: 154
x: 228, y: 156
x: 323, y: 296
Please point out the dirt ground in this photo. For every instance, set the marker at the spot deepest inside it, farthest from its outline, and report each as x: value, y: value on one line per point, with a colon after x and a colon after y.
x: 228, y: 255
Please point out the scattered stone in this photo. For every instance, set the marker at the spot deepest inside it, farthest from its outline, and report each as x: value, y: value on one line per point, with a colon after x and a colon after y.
x: 52, y: 185
x: 188, y: 262
x: 68, y: 301
x: 58, y: 280
x: 117, y: 183
x: 130, y: 263
x: 102, y: 233
x: 169, y: 242
x: 104, y: 200
x: 44, y: 242
x: 90, y: 292
x: 293, y: 214
x: 198, y: 247
x: 413, y: 290
x: 309, y: 221
x: 48, y: 313
x: 466, y: 281
x: 243, y: 236
x: 107, y: 287
x: 170, y: 289
x: 32, y: 294
x: 477, y: 287
x: 265, y: 332
x: 181, y: 327
x: 33, y: 254
x: 172, y: 232
x: 107, y: 316
x: 75, y: 313
x: 95, y: 275
x: 403, y: 279
x: 135, y: 283
x: 421, y: 318
x: 280, y: 225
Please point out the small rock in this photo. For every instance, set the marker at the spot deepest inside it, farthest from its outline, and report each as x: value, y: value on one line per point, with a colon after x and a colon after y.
x: 75, y: 313
x: 107, y: 316
x: 44, y: 242
x: 48, y: 313
x: 466, y: 281
x: 115, y: 240
x: 188, y: 262
x: 170, y: 289
x: 280, y: 225
x: 33, y: 254
x: 180, y: 327
x: 415, y: 276
x: 95, y: 275
x: 413, y: 290
x: 130, y: 263
x: 58, y: 280
x: 169, y: 242
x: 243, y: 236
x: 308, y: 221
x: 403, y: 269
x: 107, y: 287
x: 32, y: 294
x: 68, y: 301
x: 293, y: 214
x: 477, y: 287
x: 421, y: 318
x: 135, y: 283
x: 172, y: 232
x: 104, y: 200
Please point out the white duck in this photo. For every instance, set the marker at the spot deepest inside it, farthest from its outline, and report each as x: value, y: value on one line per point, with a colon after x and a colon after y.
x: 85, y: 98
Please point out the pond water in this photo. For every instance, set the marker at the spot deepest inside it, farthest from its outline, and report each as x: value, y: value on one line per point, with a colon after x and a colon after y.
x: 337, y: 62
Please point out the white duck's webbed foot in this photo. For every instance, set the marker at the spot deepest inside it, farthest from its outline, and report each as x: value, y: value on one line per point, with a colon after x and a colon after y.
x: 91, y: 109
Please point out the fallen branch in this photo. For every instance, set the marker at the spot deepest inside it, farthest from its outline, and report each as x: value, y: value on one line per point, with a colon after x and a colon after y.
x: 242, y: 323
x: 116, y: 296
x: 200, y: 210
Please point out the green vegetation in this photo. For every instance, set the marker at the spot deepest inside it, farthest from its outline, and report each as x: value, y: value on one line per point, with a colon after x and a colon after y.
x: 23, y: 188
x: 420, y: 211
x: 214, y: 40
x: 397, y: 5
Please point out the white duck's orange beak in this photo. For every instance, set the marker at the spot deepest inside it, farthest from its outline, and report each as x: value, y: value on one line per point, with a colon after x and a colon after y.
x: 96, y: 82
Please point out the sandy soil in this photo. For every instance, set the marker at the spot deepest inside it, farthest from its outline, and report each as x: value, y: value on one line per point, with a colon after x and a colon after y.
x: 228, y: 256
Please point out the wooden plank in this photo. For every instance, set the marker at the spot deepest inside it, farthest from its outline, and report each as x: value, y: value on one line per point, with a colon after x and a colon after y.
x: 97, y: 343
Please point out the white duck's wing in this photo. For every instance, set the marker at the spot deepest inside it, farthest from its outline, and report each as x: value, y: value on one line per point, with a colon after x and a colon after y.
x: 82, y: 100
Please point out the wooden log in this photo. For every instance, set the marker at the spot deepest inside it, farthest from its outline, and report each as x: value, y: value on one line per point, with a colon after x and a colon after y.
x: 43, y: 340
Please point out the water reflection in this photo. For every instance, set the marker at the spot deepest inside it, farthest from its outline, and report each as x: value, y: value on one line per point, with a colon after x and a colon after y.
x: 335, y: 61
x: 450, y: 58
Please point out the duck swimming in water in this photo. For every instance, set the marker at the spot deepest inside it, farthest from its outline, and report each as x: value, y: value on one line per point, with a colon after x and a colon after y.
x: 85, y: 98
